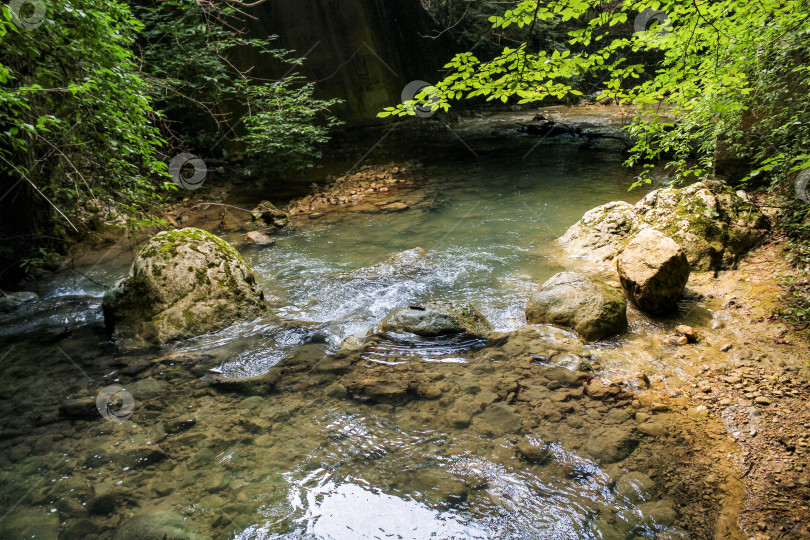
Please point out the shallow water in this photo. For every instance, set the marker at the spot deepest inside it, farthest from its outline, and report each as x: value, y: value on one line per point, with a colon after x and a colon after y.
x: 308, y: 462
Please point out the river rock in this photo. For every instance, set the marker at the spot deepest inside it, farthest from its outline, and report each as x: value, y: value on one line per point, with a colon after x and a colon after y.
x: 713, y: 224
x: 30, y: 523
x: 498, y: 419
x: 155, y: 526
x: 10, y: 301
x: 534, y: 450
x: 182, y: 284
x: 435, y: 319
x: 401, y: 265
x: 83, y: 408
x: 592, y: 308
x: 602, y: 232
x: 268, y: 214
x: 611, y: 444
x: 653, y: 270
x: 258, y: 238
x: 635, y: 486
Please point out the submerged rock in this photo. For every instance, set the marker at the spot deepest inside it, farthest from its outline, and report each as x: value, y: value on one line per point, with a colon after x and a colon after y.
x: 635, y: 486
x: 541, y: 343
x: 592, y: 308
x: 31, y: 523
x: 258, y: 238
x: 653, y: 270
x: 436, y: 319
x: 611, y: 444
x: 182, y: 284
x: 401, y: 265
x: 534, y: 450
x: 155, y: 526
x: 713, y: 224
x: 10, y: 301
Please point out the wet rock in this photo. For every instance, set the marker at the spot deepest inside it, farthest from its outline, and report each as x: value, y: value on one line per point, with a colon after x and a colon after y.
x: 145, y: 388
x: 31, y: 523
x: 216, y: 483
x: 611, y: 444
x: 595, y: 310
x: 429, y: 391
x: 332, y: 364
x: 500, y: 418
x: 268, y: 214
x: 79, y: 409
x: 534, y: 341
x: 395, y: 207
x: 635, y: 486
x: 105, y: 499
x: 534, y: 450
x: 597, y: 390
x: 653, y: 429
x: 178, y: 425
x: 564, y: 377
x: 10, y: 301
x: 258, y: 238
x: 261, y: 384
x: 380, y: 389
x: 138, y: 456
x: 365, y: 208
x: 336, y: 390
x: 712, y: 223
x: 658, y: 513
x: 183, y: 283
x: 400, y: 265
x: 653, y: 270
x: 435, y: 319
x: 688, y: 332
x: 156, y: 526
x: 80, y: 529
x: 352, y: 343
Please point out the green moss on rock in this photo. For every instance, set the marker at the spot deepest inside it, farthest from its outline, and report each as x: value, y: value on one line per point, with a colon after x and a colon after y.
x: 183, y: 283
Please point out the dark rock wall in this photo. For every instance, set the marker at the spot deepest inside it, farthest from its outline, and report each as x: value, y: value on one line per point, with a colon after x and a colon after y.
x: 361, y: 51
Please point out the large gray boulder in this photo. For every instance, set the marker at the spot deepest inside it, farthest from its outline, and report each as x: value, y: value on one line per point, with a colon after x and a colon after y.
x: 713, y: 224
x: 653, y: 270
x: 593, y: 309
x: 182, y: 284
x: 436, y: 319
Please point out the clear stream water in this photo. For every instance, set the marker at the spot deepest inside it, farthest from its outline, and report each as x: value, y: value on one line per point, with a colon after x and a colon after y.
x: 313, y: 464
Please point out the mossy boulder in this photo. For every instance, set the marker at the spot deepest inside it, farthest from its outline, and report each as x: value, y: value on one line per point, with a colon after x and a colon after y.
x: 713, y: 224
x: 183, y: 283
x: 267, y: 214
x: 593, y: 309
x: 436, y: 319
